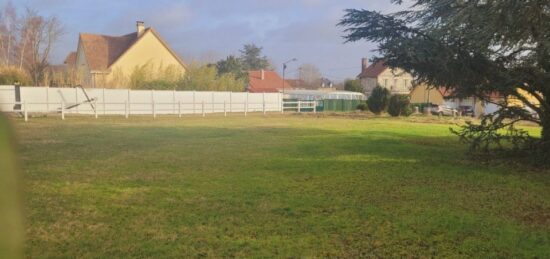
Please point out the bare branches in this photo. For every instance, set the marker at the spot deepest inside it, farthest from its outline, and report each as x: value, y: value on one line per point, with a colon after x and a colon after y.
x: 27, y: 41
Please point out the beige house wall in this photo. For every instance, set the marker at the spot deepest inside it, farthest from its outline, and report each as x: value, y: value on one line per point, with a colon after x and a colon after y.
x: 396, y: 80
x: 148, y: 49
x: 422, y: 94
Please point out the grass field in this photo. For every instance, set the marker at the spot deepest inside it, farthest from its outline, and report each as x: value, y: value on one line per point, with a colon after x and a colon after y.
x: 275, y: 186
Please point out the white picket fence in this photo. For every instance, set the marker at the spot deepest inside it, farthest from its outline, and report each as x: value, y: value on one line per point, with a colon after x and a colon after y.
x: 122, y: 101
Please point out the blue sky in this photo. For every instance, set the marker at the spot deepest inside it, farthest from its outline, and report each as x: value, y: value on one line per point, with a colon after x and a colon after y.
x: 208, y: 30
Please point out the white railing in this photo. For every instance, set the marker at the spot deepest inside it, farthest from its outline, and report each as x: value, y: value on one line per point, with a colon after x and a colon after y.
x: 300, y: 106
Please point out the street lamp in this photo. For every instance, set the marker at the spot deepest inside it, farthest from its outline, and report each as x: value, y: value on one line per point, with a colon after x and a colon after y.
x: 284, y: 68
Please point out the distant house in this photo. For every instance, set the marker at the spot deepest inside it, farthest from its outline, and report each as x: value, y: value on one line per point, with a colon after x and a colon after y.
x: 395, y: 80
x: 263, y: 81
x: 443, y: 96
x: 102, y: 60
x: 324, y: 84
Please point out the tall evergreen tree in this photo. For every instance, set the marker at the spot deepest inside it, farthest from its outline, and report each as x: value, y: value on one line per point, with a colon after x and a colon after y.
x: 252, y: 59
x: 473, y: 47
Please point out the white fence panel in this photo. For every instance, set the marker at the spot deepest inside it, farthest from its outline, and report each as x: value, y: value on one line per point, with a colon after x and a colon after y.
x: 144, y: 102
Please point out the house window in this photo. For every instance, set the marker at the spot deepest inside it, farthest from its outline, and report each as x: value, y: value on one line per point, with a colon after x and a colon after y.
x: 394, y: 87
x: 386, y: 83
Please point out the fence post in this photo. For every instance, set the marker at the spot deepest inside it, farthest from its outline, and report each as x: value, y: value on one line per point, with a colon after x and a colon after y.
x: 314, y: 106
x: 62, y: 110
x: 194, y: 109
x: 282, y: 103
x: 25, y: 111
x: 104, y: 112
x: 231, y: 101
x: 126, y: 109
x: 299, y: 106
x: 154, y: 111
x: 203, y: 112
x: 47, y: 99
x: 224, y: 110
x: 76, y: 99
x: 263, y: 101
x: 246, y: 105
x: 129, y: 103
x: 95, y: 112
x: 179, y: 109
x: 174, y: 101
x: 212, y: 102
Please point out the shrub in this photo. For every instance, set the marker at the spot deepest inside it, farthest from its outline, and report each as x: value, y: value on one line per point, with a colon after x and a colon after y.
x: 10, y: 75
x: 353, y: 86
x: 378, y: 100
x: 362, y: 106
x: 399, y: 105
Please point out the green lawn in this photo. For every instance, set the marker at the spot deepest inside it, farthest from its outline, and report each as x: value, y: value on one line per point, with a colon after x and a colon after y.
x: 275, y: 186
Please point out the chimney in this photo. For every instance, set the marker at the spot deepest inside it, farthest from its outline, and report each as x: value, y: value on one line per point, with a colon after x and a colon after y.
x: 364, y: 64
x: 262, y: 74
x: 140, y: 27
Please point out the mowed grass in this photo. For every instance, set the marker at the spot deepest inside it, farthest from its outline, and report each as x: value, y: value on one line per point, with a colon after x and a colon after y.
x: 275, y: 186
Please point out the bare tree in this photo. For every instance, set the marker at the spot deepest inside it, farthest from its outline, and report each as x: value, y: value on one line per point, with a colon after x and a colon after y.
x: 8, y: 33
x: 310, y: 74
x: 38, y: 35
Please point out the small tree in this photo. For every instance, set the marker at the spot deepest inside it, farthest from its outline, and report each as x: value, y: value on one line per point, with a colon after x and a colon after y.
x: 378, y: 100
x: 399, y: 105
x: 353, y: 86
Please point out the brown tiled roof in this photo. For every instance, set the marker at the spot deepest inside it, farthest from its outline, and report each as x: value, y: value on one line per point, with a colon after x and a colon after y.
x: 70, y: 60
x: 272, y: 82
x: 373, y: 70
x: 102, y: 50
x: 296, y: 82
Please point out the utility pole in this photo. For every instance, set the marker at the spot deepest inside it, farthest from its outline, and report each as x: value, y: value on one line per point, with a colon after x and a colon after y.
x: 284, y: 68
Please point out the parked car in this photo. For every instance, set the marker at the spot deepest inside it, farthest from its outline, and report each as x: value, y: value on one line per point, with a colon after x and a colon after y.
x: 444, y: 110
x: 466, y: 110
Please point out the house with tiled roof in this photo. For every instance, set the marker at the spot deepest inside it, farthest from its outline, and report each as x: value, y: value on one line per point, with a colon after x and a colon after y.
x: 264, y: 81
x: 395, y: 80
x: 103, y: 60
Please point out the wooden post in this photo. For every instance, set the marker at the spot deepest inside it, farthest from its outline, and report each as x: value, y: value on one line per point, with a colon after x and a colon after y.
x: 126, y: 109
x: 230, y: 101
x: 299, y: 104
x: 25, y: 111
x: 203, y: 112
x: 95, y: 112
x: 179, y: 109
x: 62, y: 110
x: 224, y: 110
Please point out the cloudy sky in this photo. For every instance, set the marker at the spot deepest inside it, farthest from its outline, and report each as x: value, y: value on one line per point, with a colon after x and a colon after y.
x: 208, y: 30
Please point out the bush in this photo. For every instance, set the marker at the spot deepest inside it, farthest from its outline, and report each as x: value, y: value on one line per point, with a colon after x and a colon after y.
x: 362, y: 106
x: 353, y: 86
x: 399, y: 105
x: 10, y: 75
x: 378, y: 100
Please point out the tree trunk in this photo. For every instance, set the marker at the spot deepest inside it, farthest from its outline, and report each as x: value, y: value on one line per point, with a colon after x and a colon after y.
x: 545, y: 138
